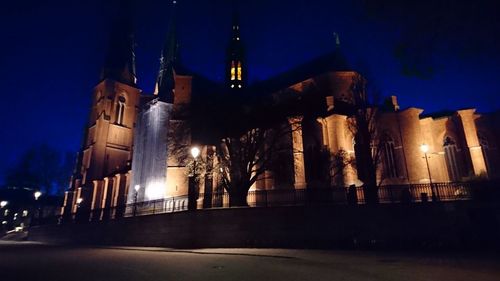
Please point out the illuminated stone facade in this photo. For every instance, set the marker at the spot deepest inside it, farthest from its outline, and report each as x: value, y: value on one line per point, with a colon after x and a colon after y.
x: 462, y: 144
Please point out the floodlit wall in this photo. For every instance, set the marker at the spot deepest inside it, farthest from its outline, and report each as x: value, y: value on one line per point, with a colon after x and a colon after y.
x: 149, y: 162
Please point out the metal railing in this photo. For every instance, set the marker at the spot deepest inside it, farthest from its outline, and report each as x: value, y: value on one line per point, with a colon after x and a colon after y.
x: 160, y: 206
x: 425, y: 192
x: 388, y: 194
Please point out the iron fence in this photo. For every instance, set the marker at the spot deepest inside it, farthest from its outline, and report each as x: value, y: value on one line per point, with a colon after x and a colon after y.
x: 388, y: 194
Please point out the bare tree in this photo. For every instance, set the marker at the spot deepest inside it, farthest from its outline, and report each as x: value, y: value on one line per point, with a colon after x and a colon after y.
x: 243, y: 160
x: 368, y: 146
x: 339, y: 161
x: 44, y: 168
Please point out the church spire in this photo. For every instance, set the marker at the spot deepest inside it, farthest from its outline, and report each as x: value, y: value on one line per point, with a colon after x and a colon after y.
x: 120, y: 59
x: 235, y: 58
x: 165, y: 83
x: 337, y: 40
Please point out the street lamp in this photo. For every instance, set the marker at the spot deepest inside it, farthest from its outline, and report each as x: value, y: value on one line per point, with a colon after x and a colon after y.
x: 195, y: 152
x: 37, y: 195
x: 4, y: 222
x: 425, y: 148
x: 2, y: 205
x: 136, y: 188
x: 78, y: 202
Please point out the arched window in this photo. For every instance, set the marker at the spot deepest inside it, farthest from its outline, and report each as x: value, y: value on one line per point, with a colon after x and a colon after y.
x: 120, y: 110
x: 238, y: 72
x: 485, y: 147
x: 233, y: 71
x: 452, y: 157
x: 389, y: 158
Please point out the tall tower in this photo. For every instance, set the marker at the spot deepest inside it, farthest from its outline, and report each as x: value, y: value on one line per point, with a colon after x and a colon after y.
x: 119, y: 63
x: 108, y: 138
x: 165, y: 82
x: 155, y: 166
x: 235, y: 65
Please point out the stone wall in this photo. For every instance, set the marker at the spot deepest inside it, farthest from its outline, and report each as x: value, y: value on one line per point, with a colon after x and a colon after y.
x: 455, y: 225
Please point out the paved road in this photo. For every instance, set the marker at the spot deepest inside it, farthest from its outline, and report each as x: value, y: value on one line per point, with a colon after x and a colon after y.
x: 30, y: 261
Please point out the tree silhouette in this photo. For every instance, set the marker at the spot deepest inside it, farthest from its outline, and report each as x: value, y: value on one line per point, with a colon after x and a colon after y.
x: 368, y: 144
x: 243, y: 160
x: 42, y: 167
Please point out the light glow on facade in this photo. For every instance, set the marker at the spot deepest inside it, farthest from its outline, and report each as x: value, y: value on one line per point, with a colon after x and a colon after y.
x: 424, y: 148
x: 155, y: 191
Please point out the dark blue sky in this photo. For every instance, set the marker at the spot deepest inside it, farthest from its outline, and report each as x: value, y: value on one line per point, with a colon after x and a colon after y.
x: 436, y: 55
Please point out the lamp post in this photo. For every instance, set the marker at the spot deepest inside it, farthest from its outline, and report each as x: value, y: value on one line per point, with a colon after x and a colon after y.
x: 2, y: 205
x: 425, y: 148
x: 78, y: 202
x: 195, y: 152
x: 136, y: 188
x: 37, y: 195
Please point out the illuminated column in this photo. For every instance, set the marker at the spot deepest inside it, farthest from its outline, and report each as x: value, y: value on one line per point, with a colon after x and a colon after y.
x: 76, y: 195
x: 96, y: 194
x: 468, y: 118
x: 338, y: 139
x: 269, y: 179
x: 324, y: 131
x: 65, y: 202
x: 298, y: 152
x: 260, y: 184
x: 115, y: 191
x: 104, y: 193
x: 336, y: 128
x: 412, y: 138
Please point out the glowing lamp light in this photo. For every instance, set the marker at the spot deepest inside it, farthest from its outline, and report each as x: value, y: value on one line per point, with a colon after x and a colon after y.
x: 424, y: 148
x: 79, y: 200
x: 137, y: 187
x: 154, y: 191
x: 37, y: 194
x: 3, y: 204
x: 195, y: 152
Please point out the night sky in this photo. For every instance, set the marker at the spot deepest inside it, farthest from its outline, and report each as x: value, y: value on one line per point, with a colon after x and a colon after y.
x: 437, y: 55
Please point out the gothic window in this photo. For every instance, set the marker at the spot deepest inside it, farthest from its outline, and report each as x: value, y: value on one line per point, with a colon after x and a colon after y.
x: 452, y: 158
x: 389, y: 158
x: 485, y: 147
x: 233, y: 71
x: 239, y: 71
x: 120, y: 110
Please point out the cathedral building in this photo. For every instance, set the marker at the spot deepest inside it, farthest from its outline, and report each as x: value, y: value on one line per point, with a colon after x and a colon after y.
x: 135, y: 146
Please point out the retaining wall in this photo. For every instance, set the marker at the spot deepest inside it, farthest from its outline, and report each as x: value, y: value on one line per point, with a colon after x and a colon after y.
x: 447, y: 225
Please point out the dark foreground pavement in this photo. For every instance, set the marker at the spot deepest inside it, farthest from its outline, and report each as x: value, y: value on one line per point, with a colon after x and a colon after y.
x: 31, y: 261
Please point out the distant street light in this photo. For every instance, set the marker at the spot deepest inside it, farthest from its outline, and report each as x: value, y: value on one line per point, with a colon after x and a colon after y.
x: 425, y: 148
x: 37, y: 194
x: 4, y: 222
